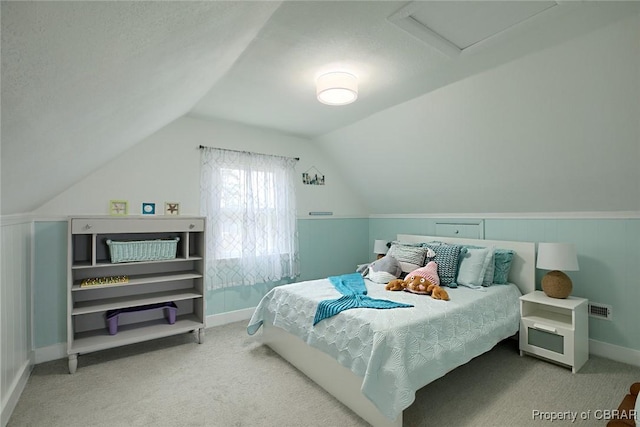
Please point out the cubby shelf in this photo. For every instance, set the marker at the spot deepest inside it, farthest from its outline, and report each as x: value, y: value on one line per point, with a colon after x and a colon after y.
x: 142, y: 279
x: 103, y: 263
x: 99, y: 339
x: 179, y: 280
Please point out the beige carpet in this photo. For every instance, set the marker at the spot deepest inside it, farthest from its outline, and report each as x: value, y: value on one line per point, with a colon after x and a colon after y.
x: 231, y: 380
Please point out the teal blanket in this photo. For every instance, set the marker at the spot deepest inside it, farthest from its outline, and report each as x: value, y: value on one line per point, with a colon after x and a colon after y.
x: 354, y: 292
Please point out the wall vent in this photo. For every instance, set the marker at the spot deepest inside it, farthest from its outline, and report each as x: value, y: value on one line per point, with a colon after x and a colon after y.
x: 600, y: 311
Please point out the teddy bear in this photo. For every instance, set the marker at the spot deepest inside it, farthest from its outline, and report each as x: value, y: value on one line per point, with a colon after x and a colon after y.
x: 423, y: 280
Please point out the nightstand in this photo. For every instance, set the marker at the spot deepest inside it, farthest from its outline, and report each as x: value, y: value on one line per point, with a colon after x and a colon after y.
x: 555, y: 329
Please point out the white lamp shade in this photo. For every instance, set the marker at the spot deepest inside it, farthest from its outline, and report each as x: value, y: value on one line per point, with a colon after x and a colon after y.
x: 380, y: 247
x: 557, y: 256
x: 337, y: 88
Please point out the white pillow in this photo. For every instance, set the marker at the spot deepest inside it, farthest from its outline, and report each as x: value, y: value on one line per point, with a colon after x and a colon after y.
x: 473, y: 266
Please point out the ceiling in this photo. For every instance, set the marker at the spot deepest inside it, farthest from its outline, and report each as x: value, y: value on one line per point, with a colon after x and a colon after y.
x: 84, y: 81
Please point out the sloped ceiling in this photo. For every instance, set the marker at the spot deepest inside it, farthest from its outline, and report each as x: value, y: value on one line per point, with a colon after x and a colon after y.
x: 84, y: 81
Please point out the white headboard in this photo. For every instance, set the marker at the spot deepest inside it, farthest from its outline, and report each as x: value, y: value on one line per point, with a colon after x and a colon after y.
x: 523, y: 266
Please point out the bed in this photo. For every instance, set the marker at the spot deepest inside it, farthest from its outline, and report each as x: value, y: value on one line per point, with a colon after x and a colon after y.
x: 374, y: 361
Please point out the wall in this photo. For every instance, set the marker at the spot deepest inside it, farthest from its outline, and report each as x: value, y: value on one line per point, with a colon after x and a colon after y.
x: 608, y: 257
x: 554, y: 131
x: 166, y: 167
x: 15, y: 311
x: 544, y: 148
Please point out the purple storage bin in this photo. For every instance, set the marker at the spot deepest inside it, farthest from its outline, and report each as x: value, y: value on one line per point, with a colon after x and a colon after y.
x: 170, y: 310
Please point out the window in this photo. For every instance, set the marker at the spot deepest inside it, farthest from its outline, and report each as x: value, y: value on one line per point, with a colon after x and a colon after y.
x: 249, y: 202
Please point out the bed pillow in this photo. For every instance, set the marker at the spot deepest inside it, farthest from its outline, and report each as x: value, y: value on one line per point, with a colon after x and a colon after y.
x: 491, y: 267
x: 502, y: 262
x: 490, y: 271
x: 447, y: 257
x: 473, y: 266
x: 409, y: 256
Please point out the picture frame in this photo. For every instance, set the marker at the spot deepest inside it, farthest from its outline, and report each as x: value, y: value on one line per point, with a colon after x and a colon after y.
x: 118, y: 207
x: 171, y: 208
x: 148, y: 208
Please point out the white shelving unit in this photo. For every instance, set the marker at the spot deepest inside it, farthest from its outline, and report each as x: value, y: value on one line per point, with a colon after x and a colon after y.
x: 179, y: 280
x: 555, y: 329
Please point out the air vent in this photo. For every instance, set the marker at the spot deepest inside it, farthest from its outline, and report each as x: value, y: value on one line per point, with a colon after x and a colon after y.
x: 600, y: 311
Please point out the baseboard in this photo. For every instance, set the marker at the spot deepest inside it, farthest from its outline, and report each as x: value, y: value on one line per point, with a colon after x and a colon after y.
x: 52, y: 352
x: 230, y: 317
x: 59, y: 351
x: 614, y: 352
x: 10, y: 401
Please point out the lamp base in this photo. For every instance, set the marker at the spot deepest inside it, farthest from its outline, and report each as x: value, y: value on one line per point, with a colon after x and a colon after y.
x: 556, y: 284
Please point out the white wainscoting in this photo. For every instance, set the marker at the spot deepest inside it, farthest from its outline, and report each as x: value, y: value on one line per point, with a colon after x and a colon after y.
x: 15, y: 311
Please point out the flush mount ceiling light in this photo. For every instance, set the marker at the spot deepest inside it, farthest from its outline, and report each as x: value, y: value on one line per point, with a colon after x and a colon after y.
x: 337, y: 88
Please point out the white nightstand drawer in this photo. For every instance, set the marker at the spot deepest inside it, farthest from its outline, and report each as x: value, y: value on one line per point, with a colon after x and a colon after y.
x: 547, y: 340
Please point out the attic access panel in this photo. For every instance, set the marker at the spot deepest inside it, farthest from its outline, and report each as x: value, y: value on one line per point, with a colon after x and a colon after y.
x: 453, y: 26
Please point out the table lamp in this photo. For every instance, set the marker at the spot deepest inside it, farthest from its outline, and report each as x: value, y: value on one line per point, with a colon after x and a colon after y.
x: 556, y: 257
x: 380, y: 248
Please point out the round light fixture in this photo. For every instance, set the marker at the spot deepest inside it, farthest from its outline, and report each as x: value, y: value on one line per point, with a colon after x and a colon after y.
x: 337, y: 88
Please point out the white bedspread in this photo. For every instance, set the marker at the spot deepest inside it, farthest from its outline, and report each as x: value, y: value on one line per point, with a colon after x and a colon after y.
x: 396, y: 351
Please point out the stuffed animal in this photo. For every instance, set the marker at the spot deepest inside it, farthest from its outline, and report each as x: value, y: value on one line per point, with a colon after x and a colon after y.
x: 383, y: 270
x: 423, y: 280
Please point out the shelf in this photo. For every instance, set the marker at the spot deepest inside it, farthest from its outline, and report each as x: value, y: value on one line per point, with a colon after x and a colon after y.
x: 104, y: 304
x: 551, y: 319
x: 100, y: 339
x: 105, y: 264
x: 142, y: 279
x: 179, y: 280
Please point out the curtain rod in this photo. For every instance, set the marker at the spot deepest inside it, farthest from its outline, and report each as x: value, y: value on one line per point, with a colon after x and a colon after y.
x: 248, y: 152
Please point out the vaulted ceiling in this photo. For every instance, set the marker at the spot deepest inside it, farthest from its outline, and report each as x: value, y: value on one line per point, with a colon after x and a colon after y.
x: 84, y: 81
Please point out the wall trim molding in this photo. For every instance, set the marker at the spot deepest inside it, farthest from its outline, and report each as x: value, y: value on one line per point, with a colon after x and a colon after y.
x: 17, y: 387
x: 55, y: 218
x: 229, y: 317
x: 59, y: 351
x: 614, y: 352
x: 51, y: 352
x: 13, y: 219
x: 316, y: 217
x: 50, y: 218
x: 6, y: 220
x: 519, y: 215
x: 596, y: 348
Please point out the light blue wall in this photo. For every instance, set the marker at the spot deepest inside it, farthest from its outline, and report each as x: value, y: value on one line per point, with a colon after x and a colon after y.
x: 334, y: 246
x: 327, y: 247
x: 608, y: 255
x: 50, y: 283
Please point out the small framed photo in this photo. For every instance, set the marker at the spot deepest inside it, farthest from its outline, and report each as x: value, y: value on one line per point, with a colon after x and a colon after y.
x: 148, y: 208
x: 171, y: 208
x: 118, y: 207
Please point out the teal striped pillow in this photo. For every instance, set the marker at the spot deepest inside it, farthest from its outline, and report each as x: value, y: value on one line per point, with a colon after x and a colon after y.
x: 447, y: 258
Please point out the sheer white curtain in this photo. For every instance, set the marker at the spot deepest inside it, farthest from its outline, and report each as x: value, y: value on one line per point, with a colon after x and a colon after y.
x: 250, y: 205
